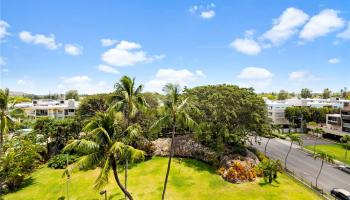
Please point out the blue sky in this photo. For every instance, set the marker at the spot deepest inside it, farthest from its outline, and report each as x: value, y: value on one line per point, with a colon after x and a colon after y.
x: 54, y: 46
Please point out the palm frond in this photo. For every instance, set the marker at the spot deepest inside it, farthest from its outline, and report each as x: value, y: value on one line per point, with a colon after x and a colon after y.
x: 102, y: 178
x: 82, y: 146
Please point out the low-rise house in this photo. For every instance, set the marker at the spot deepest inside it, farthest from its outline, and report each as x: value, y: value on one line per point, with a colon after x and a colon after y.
x: 58, y: 109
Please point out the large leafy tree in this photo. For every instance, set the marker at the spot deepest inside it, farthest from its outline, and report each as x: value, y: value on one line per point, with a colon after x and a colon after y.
x: 306, y: 93
x: 72, y: 94
x: 228, y: 115
x: 56, y: 132
x: 92, y: 104
x: 327, y: 93
x: 282, y: 95
x: 346, y: 139
x: 324, y: 158
x: 129, y: 100
x: 20, y: 158
x: 175, y: 113
x: 7, y: 114
x: 103, y: 147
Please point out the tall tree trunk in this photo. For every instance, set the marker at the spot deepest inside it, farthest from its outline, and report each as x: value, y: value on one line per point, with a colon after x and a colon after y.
x: 1, y: 141
x: 319, y: 173
x: 346, y: 150
x: 126, y: 175
x: 169, y: 161
x: 315, y: 145
x: 285, y: 161
x: 268, y: 140
x: 115, y: 173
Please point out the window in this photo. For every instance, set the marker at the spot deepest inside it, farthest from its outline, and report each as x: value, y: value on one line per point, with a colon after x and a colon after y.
x: 41, y: 113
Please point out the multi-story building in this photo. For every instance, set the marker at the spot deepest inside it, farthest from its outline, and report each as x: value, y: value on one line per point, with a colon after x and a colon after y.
x: 345, y: 116
x: 58, y: 109
x: 276, y: 108
x: 334, y: 122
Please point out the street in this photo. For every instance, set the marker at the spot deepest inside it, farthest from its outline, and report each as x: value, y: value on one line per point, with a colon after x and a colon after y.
x: 305, y: 165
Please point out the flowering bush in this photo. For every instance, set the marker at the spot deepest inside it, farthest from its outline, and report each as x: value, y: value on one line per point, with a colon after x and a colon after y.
x: 239, y: 171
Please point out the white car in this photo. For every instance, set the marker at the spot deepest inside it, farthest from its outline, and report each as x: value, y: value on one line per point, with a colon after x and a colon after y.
x: 344, y: 168
x: 340, y: 194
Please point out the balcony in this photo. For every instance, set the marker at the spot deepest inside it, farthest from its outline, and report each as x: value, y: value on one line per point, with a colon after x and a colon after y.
x: 345, y: 117
x: 346, y: 125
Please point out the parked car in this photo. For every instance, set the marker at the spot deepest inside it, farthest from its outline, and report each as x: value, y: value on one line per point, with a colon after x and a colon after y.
x: 344, y: 168
x: 340, y: 194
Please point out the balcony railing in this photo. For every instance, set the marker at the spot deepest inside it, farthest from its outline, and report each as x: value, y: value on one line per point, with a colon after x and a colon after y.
x: 347, y: 125
x: 345, y: 117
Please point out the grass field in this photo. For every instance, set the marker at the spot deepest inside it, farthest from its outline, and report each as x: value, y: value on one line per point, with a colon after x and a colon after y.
x: 336, y: 150
x: 189, y: 179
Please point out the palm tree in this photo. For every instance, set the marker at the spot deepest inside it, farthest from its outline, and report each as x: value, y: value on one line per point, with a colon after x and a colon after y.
x: 324, y: 158
x: 7, y: 114
x: 346, y: 140
x: 174, y: 112
x: 274, y: 127
x: 129, y: 100
x: 293, y: 138
x: 317, y: 131
x: 103, y: 147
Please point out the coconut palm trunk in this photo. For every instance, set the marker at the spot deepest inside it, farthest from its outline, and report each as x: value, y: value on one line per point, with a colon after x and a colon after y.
x: 319, y: 173
x: 315, y: 144
x: 171, y: 152
x: 346, y: 151
x: 126, y: 175
x: 116, y: 177
x: 285, y: 160
x: 268, y: 140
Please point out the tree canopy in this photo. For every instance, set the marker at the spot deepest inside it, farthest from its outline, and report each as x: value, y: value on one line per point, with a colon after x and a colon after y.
x: 227, y: 114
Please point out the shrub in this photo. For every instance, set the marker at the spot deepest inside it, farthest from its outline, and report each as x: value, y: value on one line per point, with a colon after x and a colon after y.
x: 60, y: 161
x: 238, y: 172
x: 19, y: 160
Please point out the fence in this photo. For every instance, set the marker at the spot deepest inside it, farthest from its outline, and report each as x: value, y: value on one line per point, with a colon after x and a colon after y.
x: 308, y: 184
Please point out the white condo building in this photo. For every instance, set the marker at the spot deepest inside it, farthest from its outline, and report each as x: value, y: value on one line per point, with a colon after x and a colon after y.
x: 58, y: 109
x: 276, y: 108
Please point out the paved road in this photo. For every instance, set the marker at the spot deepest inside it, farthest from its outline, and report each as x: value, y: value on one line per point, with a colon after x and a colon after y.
x: 305, y: 165
x: 309, y: 140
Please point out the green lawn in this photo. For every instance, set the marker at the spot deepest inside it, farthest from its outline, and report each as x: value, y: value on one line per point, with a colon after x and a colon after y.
x: 337, y: 150
x: 189, y: 179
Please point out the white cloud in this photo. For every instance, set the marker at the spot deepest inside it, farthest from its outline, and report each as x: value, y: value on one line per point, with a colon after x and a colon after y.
x: 26, y: 83
x: 255, y: 77
x: 203, y: 11
x: 286, y: 25
x: 321, y: 24
x: 39, y: 39
x: 255, y: 73
x: 3, y: 29
x: 73, y: 49
x: 334, y: 61
x: 207, y: 14
x: 127, y: 54
x: 345, y: 34
x: 107, y: 69
x: 246, y: 45
x: 76, y: 79
x: 84, y: 84
x: 182, y: 77
x: 106, y: 42
x: 301, y: 76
